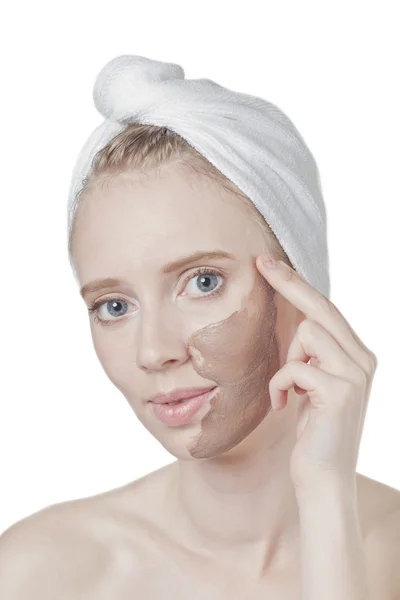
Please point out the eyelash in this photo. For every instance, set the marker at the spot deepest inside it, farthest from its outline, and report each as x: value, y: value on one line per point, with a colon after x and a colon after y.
x: 94, y: 307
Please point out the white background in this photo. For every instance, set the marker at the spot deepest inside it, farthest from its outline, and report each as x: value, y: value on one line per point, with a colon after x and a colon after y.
x: 65, y: 431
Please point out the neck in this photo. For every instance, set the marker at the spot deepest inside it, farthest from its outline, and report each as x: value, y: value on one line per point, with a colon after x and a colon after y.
x: 241, y: 507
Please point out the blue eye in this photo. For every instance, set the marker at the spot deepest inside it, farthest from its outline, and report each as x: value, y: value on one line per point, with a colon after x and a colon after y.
x: 113, y: 305
x: 208, y: 279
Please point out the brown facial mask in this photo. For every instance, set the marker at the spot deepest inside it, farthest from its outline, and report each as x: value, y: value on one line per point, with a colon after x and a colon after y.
x: 241, y: 355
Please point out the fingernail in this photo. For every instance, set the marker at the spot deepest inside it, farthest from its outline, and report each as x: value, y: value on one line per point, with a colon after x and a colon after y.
x: 269, y: 263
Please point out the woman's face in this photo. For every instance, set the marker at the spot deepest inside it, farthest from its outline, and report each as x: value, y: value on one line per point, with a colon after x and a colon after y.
x: 223, y: 327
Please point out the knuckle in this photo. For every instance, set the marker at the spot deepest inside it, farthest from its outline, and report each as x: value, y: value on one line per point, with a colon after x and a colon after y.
x: 361, y: 377
x: 373, y: 362
x: 324, y: 304
x: 304, y: 326
x: 369, y: 364
x: 356, y: 382
x: 308, y: 327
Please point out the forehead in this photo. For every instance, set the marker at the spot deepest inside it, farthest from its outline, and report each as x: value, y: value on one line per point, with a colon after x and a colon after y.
x: 169, y: 192
x: 159, y: 216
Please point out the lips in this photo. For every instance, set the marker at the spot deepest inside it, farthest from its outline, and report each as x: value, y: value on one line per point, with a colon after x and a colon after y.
x: 182, y: 413
x: 180, y: 394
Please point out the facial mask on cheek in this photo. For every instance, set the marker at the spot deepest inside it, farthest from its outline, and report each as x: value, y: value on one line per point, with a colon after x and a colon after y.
x: 241, y: 355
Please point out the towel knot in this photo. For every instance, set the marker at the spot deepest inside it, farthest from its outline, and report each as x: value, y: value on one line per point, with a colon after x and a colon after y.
x: 125, y: 85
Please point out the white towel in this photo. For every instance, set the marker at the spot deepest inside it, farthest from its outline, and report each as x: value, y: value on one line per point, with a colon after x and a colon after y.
x: 251, y: 141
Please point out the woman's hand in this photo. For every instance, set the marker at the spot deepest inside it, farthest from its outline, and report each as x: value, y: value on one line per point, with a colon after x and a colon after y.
x: 338, y: 383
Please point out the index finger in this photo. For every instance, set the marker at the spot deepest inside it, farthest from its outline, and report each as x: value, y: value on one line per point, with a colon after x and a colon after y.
x: 312, y: 303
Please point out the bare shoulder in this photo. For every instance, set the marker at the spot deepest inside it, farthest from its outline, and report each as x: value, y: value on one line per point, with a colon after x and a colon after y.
x: 92, y: 548
x: 45, y: 553
x: 68, y: 550
x: 379, y: 506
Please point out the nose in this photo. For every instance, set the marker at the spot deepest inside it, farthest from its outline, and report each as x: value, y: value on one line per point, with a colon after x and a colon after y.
x: 160, y: 342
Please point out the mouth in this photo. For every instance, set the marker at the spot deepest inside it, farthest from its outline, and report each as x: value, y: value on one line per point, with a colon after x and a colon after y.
x: 180, y: 395
x: 178, y: 401
x: 183, y: 400
x: 181, y: 412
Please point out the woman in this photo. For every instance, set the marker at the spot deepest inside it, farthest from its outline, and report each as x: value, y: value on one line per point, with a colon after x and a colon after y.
x: 263, y: 499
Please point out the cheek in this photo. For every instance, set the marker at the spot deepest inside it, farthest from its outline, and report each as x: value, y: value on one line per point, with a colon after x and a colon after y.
x: 113, y: 357
x: 239, y: 354
x: 231, y: 351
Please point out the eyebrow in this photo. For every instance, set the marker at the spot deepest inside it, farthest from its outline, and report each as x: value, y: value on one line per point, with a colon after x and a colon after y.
x: 99, y: 284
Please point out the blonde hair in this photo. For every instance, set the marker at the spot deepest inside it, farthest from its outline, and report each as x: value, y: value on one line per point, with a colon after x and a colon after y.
x: 142, y: 148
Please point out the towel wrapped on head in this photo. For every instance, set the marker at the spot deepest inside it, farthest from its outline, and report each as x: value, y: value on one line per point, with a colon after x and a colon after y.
x: 248, y: 139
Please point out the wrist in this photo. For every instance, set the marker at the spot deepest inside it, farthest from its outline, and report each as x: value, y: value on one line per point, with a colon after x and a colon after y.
x: 327, y: 487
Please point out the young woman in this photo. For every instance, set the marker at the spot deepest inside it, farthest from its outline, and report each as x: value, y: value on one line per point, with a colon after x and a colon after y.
x: 247, y: 374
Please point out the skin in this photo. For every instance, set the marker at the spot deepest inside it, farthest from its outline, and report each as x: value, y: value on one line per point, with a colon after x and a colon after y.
x: 241, y: 354
x: 171, y: 331
x: 222, y: 521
